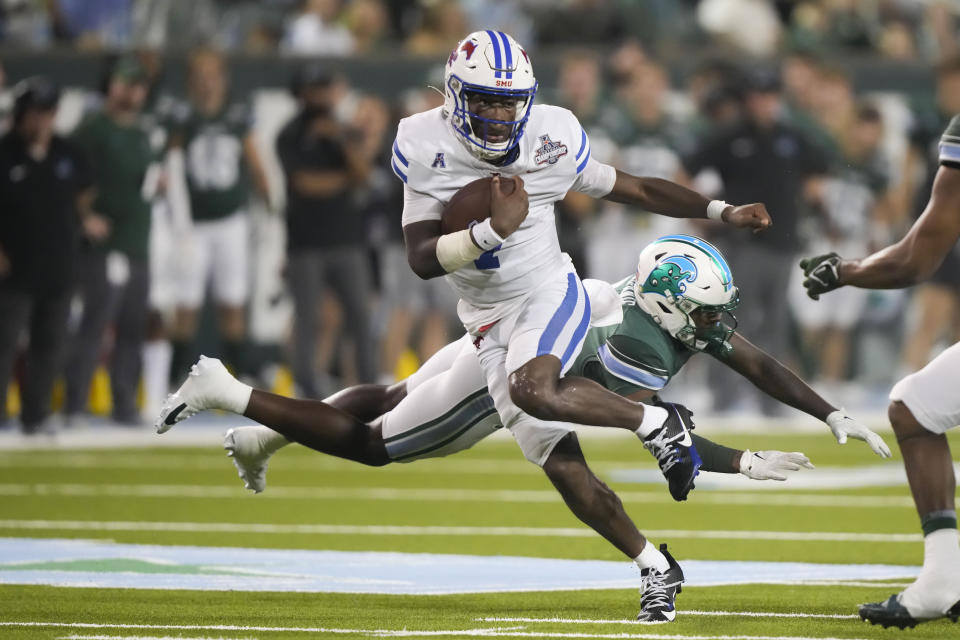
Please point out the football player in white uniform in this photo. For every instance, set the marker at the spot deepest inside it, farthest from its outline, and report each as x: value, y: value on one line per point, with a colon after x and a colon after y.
x: 520, y: 297
x: 445, y: 407
x: 924, y: 404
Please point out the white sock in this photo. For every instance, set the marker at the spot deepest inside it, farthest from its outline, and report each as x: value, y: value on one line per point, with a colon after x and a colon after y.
x: 233, y: 396
x: 156, y: 375
x: 270, y: 440
x: 651, y: 557
x: 236, y: 397
x: 938, y: 586
x: 653, y: 419
x: 941, y: 552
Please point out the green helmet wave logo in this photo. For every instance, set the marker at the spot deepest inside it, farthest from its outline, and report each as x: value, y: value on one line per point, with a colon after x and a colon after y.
x: 670, y: 276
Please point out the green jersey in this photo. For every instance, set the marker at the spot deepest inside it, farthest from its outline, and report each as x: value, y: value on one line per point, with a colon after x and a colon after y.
x: 950, y: 144
x: 217, y: 176
x: 635, y: 355
x: 121, y: 156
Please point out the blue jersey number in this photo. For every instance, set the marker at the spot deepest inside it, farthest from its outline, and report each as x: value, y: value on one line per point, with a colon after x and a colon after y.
x: 488, y: 260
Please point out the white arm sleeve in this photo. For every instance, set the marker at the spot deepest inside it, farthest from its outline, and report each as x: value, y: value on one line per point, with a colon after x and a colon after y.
x: 596, y: 179
x: 418, y: 207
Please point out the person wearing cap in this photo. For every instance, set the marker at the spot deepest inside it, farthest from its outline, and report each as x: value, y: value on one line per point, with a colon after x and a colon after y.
x: 46, y: 191
x: 761, y: 158
x: 113, y: 273
x: 326, y: 234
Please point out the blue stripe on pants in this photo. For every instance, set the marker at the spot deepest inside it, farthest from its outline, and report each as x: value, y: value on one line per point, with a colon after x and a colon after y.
x: 580, y: 332
x: 560, y: 317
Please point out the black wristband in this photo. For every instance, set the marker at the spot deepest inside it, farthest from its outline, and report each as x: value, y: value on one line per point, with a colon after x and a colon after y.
x: 716, y: 457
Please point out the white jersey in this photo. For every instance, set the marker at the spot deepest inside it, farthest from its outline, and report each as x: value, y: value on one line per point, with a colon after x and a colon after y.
x: 554, y: 157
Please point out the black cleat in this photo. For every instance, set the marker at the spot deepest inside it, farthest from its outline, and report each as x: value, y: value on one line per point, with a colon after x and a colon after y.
x: 658, y: 591
x: 893, y: 614
x: 674, y: 450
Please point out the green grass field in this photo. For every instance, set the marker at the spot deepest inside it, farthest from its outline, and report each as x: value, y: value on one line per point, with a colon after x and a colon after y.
x: 486, y: 502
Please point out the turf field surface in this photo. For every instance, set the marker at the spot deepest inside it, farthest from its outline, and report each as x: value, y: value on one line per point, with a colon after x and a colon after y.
x: 486, y: 502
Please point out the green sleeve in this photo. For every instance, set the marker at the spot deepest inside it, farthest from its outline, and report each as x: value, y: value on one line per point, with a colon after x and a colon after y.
x: 716, y: 457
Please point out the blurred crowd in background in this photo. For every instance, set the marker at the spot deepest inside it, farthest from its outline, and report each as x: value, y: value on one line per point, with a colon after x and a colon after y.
x: 896, y: 29
x: 264, y: 227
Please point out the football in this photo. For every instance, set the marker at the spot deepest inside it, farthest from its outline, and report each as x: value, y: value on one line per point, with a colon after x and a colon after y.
x: 471, y: 204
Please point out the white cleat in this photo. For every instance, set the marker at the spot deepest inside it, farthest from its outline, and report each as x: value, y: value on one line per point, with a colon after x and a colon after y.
x: 250, y: 451
x: 208, y: 386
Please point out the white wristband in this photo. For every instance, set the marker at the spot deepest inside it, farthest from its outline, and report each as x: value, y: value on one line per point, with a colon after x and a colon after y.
x: 455, y: 250
x: 485, y: 236
x: 715, y: 209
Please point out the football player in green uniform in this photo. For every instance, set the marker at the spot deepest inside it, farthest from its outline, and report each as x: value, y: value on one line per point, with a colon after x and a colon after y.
x: 924, y: 404
x: 221, y: 165
x: 642, y: 332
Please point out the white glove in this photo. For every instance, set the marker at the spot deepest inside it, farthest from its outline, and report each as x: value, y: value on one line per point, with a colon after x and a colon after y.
x: 772, y: 465
x: 844, y: 426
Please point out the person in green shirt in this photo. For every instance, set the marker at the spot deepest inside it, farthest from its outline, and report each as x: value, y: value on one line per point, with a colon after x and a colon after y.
x: 221, y: 167
x: 642, y: 332
x: 113, y: 273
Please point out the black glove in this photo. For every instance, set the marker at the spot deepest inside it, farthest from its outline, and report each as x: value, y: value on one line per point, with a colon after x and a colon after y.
x: 823, y: 274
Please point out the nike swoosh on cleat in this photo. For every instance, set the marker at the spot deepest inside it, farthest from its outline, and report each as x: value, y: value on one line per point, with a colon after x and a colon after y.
x: 686, y: 441
x: 171, y: 418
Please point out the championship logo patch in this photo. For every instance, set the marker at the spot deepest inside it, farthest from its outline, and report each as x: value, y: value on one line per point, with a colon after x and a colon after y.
x: 549, y: 151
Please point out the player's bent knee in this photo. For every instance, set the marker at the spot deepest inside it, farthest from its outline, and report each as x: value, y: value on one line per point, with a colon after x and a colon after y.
x: 532, y: 398
x: 904, y: 423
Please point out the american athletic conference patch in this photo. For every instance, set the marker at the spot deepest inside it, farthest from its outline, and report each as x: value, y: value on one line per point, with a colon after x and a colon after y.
x: 549, y: 151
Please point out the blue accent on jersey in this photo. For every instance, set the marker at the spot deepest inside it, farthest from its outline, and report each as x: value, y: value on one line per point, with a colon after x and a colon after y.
x: 583, y: 162
x: 488, y: 259
x: 509, y: 53
x: 583, y: 143
x: 496, y: 53
x: 631, y: 374
x: 396, y: 170
x: 396, y: 151
x: 949, y: 152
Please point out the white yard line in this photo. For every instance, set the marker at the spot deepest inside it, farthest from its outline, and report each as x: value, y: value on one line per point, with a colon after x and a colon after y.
x: 421, y: 494
x: 106, y: 637
x: 395, y: 633
x: 680, y: 612
x: 403, y: 530
x: 847, y: 583
x: 316, y: 464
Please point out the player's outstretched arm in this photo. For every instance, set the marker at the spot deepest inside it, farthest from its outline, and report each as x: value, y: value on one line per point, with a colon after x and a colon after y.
x: 912, y: 259
x: 671, y: 199
x: 759, y: 465
x: 777, y: 381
